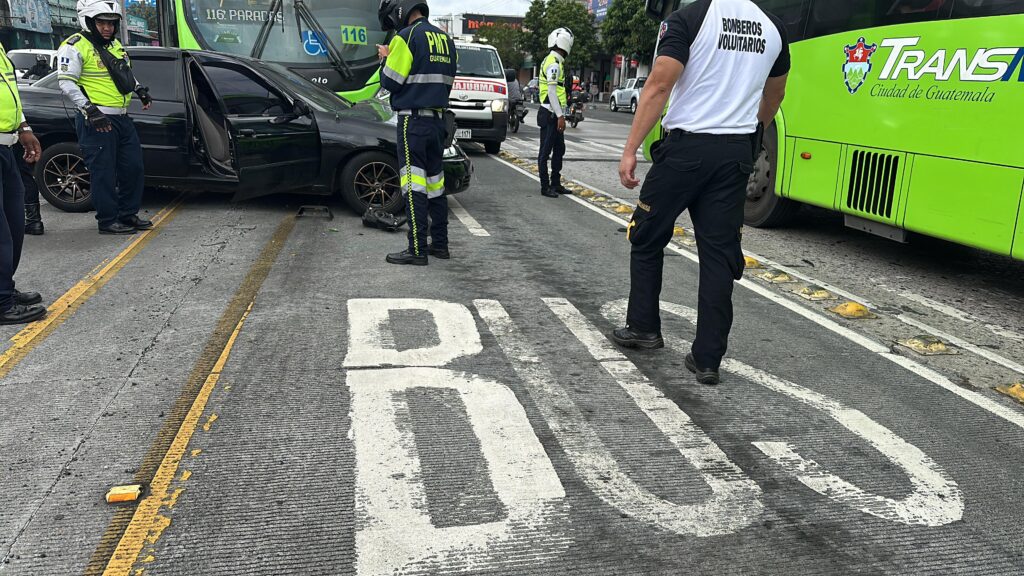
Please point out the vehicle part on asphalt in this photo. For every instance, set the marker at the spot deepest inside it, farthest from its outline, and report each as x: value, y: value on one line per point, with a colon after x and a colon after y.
x: 376, y: 217
x: 315, y: 210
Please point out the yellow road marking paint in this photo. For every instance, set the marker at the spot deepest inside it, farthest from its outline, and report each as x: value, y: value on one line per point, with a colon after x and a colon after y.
x: 185, y: 475
x: 853, y: 310
x: 147, y: 524
x: 1015, y: 391
x: 32, y: 335
x: 197, y: 452
x: 926, y: 345
x: 131, y: 531
x: 209, y: 422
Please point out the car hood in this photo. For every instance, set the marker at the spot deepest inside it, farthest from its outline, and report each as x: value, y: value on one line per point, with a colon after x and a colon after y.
x: 371, y: 110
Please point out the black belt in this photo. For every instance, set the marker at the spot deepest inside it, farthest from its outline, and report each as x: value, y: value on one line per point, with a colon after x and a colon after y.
x: 679, y: 133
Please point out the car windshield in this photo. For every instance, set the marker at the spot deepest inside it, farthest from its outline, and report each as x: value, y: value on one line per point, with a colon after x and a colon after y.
x: 232, y: 26
x: 317, y: 97
x: 479, y: 62
x: 22, y: 60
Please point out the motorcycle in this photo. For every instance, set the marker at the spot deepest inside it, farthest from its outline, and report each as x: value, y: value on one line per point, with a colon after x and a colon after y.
x: 516, y: 116
x: 576, y: 106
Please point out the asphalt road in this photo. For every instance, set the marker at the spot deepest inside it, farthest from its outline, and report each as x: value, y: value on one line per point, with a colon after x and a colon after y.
x: 295, y: 405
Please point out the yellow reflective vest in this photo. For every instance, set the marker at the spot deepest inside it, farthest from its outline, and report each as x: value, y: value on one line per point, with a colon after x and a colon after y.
x: 95, y: 81
x: 10, y: 101
x: 560, y: 91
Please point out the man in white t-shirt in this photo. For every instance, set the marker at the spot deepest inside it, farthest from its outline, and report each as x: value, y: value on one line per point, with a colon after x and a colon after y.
x: 724, y: 63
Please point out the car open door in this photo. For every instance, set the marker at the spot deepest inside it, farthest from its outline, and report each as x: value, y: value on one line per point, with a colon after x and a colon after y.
x: 253, y: 131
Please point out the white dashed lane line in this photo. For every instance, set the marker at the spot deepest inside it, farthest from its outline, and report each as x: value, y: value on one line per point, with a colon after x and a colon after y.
x: 471, y: 224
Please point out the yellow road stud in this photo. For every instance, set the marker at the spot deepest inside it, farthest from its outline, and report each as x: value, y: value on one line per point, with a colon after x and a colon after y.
x: 775, y: 277
x: 586, y: 193
x: 600, y: 199
x: 679, y: 231
x: 129, y: 493
x: 816, y: 293
x: 853, y: 310
x: 623, y: 209
x: 1015, y: 391
x: 751, y: 263
x: 926, y: 345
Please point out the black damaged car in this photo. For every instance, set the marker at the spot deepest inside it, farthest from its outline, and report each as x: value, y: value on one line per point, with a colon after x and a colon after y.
x: 236, y: 125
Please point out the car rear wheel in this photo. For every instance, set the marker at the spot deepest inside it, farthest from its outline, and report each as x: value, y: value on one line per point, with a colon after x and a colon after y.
x: 371, y: 178
x: 63, y: 178
x: 763, y: 208
x: 632, y: 106
x: 492, y: 147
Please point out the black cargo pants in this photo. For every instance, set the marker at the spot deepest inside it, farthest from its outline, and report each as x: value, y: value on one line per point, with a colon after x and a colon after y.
x: 421, y: 170
x: 706, y: 174
x: 552, y: 144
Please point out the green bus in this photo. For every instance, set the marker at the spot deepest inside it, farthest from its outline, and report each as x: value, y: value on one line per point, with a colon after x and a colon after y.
x: 904, y: 115
x: 332, y: 43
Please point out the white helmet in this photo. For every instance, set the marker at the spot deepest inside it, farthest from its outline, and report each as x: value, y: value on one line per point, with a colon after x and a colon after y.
x: 561, y: 38
x: 92, y: 9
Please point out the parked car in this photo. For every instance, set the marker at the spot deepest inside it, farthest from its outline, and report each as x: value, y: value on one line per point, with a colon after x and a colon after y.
x: 627, y: 96
x: 531, y: 92
x: 230, y: 124
x: 23, y: 59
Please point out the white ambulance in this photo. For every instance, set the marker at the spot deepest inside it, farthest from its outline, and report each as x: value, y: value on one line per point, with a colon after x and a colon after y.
x: 480, y: 96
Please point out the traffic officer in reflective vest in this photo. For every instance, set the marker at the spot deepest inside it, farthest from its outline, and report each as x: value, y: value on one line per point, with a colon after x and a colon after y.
x: 725, y: 64
x: 419, y: 71
x: 94, y: 72
x: 15, y: 307
x: 551, y: 116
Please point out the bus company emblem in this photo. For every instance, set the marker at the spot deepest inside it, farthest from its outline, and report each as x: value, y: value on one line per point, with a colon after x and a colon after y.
x: 858, y: 64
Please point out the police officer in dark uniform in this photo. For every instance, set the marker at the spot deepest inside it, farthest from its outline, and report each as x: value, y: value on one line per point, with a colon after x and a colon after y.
x: 419, y: 71
x: 15, y: 307
x: 724, y: 63
x: 554, y: 101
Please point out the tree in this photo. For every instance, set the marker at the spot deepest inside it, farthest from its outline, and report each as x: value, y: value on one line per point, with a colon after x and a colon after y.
x: 572, y: 15
x: 535, y: 33
x: 628, y: 30
x: 509, y: 41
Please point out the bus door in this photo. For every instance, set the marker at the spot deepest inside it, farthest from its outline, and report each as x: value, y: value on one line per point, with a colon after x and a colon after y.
x: 253, y: 134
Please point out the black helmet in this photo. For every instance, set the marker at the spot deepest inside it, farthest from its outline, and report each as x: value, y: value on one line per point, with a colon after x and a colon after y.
x: 394, y: 14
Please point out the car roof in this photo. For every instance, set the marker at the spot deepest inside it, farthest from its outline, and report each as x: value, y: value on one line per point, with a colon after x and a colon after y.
x: 475, y: 45
x: 32, y: 51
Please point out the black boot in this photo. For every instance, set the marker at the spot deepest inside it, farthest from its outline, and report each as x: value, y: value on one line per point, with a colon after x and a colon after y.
x: 33, y: 220
x: 407, y: 257
x: 21, y: 314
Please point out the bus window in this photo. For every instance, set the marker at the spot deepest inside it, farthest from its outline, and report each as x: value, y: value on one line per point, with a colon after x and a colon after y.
x: 979, y: 8
x: 232, y: 26
x: 906, y: 11
x: 793, y: 14
x: 834, y: 16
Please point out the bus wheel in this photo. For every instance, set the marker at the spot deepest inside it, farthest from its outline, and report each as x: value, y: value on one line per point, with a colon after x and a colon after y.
x: 763, y: 209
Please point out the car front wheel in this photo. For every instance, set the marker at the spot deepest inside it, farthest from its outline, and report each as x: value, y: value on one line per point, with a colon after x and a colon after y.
x: 632, y: 106
x: 371, y: 178
x: 63, y: 178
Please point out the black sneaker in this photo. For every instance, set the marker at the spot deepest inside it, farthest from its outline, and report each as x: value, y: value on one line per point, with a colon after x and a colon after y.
x: 548, y: 193
x: 629, y: 338
x: 441, y: 253
x: 138, y: 223
x: 563, y: 190
x: 21, y: 314
x: 709, y: 377
x: 407, y: 257
x: 117, y: 228
x: 27, y: 298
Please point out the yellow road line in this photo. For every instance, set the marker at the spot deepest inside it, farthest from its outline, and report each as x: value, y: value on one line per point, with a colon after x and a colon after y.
x: 130, y: 530
x: 147, y: 524
x: 32, y: 335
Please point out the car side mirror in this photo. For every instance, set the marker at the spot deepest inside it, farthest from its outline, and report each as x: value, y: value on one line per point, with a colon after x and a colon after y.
x: 299, y: 109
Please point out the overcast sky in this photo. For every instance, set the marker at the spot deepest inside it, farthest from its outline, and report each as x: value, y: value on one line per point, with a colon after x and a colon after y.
x: 497, y: 7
